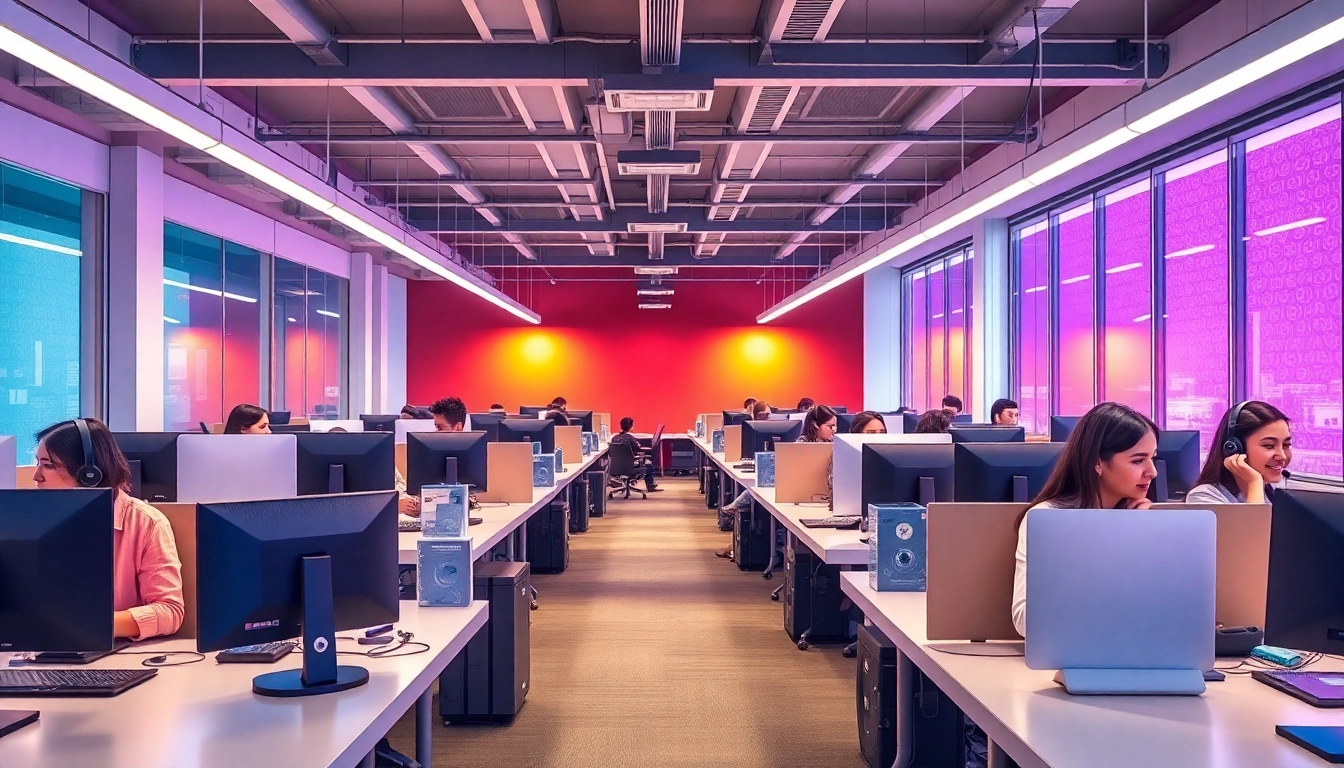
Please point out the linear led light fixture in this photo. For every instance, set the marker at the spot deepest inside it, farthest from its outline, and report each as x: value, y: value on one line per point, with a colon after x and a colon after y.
x: 655, y: 227
x: 654, y: 287
x: 1328, y: 19
x: 654, y: 305
x: 26, y: 48
x: 661, y: 271
x: 644, y: 93
x: 665, y: 162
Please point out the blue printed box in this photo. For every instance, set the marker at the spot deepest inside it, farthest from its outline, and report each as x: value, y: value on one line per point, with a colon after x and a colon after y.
x: 605, y: 432
x: 897, y: 547
x: 765, y: 470
x: 589, y: 443
x: 543, y: 470
x: 536, y: 448
x: 559, y: 459
x: 443, y: 572
x: 443, y: 511
x: 716, y: 441
x: 700, y: 429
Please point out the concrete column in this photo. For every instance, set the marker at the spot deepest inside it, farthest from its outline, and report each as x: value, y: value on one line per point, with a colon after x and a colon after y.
x: 394, y: 367
x: 882, y: 339
x: 990, y: 329
x: 363, y: 321
x: 135, y: 286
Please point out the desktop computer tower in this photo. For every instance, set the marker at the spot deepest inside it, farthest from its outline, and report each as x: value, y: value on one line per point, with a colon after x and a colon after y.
x: 711, y: 489
x: 939, y: 729
x: 489, y: 679
x: 681, y: 460
x: 812, y: 596
x: 751, y: 538
x: 578, y: 505
x: 548, y: 538
x: 597, y: 493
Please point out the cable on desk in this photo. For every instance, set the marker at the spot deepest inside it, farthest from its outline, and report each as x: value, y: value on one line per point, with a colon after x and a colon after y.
x: 160, y: 658
x: 1253, y: 663
x: 390, y: 651
x: 492, y: 504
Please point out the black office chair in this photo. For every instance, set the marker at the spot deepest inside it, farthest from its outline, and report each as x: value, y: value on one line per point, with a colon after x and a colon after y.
x: 625, y: 470
x: 654, y: 456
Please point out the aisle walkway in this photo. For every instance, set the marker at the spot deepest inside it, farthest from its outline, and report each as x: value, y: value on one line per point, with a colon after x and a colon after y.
x: 650, y: 651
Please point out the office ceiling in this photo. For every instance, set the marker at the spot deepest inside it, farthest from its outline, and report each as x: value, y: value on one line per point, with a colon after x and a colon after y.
x: 486, y: 121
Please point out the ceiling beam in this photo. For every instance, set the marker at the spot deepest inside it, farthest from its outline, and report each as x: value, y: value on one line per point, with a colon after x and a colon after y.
x: 860, y: 220
x: 628, y: 256
x: 682, y: 138
x: 578, y: 63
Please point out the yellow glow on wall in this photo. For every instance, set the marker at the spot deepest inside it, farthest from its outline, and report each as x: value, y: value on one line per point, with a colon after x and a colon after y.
x: 538, y: 348
x: 759, y: 349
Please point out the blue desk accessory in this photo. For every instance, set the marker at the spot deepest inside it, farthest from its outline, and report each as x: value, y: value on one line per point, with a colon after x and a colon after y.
x: 897, y: 547
x: 765, y: 469
x: 543, y: 470
x: 443, y: 572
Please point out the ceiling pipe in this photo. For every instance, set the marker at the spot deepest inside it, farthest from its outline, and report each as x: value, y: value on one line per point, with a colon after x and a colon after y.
x: 774, y: 138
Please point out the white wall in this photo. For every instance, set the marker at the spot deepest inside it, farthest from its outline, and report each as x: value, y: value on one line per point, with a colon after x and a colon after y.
x: 882, y: 339
x: 59, y: 152
x: 394, y: 395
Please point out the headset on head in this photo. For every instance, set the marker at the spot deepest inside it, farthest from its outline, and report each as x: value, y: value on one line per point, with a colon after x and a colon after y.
x: 88, y: 475
x: 1232, y: 444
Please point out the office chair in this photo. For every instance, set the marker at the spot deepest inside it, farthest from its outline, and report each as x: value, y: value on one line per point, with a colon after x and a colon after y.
x: 205, y: 427
x: 626, y: 469
x: 654, y: 457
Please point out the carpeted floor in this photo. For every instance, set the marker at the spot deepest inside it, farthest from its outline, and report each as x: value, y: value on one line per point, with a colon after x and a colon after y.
x: 651, y: 651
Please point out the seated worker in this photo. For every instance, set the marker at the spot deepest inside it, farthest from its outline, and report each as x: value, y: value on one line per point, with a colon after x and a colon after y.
x: 248, y: 420
x: 450, y: 415
x: 559, y: 404
x: 1106, y: 464
x: 560, y: 418
x: 934, y: 422
x: 409, y: 411
x: 747, y: 404
x: 641, y: 459
x: 805, y: 405
x: 146, y: 573
x: 1004, y: 412
x: 760, y: 411
x: 1249, y: 474
x: 868, y: 422
x: 497, y: 408
x: 952, y: 404
x: 819, y: 427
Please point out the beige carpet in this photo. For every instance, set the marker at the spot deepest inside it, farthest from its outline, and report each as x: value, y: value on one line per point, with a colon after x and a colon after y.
x: 650, y: 651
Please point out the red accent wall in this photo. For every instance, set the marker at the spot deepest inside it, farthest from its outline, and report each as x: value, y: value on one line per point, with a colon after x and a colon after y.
x: 597, y: 349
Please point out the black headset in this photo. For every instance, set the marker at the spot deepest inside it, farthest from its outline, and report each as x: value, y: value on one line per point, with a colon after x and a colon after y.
x: 88, y: 475
x: 1232, y: 444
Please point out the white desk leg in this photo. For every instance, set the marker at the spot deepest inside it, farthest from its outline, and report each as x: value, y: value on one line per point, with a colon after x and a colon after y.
x: 770, y: 566
x: 508, y: 546
x: 424, y: 728
x: 370, y: 761
x: 998, y: 758
x: 522, y: 541
x: 905, y: 710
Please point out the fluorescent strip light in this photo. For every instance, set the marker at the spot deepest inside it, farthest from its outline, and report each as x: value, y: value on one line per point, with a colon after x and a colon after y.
x: 1036, y: 289
x: 270, y: 177
x: 1124, y: 268
x: 1143, y: 318
x: 1289, y: 226
x: 209, y: 291
x: 168, y: 319
x: 1083, y: 155
x: 652, y: 305
x: 1190, y: 251
x: 938, y: 316
x: 1077, y: 279
x: 957, y: 311
x: 39, y: 244
x: 655, y: 292
x: 325, y: 313
x: 292, y: 320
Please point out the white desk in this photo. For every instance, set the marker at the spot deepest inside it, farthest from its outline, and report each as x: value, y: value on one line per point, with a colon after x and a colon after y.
x: 745, y: 479
x: 205, y: 715
x: 501, y: 520
x: 835, y: 546
x: 1031, y: 718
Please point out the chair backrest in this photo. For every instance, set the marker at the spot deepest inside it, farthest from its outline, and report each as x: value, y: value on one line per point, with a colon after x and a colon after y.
x: 657, y: 436
x: 622, y: 460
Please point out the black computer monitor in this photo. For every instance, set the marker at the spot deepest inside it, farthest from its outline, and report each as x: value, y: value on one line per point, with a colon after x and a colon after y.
x: 279, y: 417
x: 152, y: 458
x: 1304, y: 607
x: 784, y: 411
x: 487, y: 423
x: 435, y: 458
x: 921, y: 474
x: 910, y: 422
x: 535, y: 411
x: 1007, y: 472
x: 1061, y: 427
x: 963, y: 418
x: 56, y: 570
x: 735, y: 417
x: 582, y: 419
x: 987, y: 433
x: 349, y: 462
x: 839, y: 409
x: 291, y: 429
x: 843, y: 421
x: 380, y: 422
x: 529, y: 431
x: 761, y: 436
x: 1177, y: 464
x: 313, y: 566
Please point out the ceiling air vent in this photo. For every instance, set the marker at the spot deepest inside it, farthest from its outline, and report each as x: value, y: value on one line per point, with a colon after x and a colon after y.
x: 644, y: 93
x: 655, y: 227
x: 665, y: 162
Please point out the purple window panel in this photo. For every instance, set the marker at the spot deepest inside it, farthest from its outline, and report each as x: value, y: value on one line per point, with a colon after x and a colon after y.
x: 1128, y: 330
x: 1033, y: 341
x: 1077, y: 287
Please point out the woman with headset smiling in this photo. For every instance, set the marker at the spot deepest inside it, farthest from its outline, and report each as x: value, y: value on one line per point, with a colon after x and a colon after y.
x: 1251, y: 453
x: 146, y: 573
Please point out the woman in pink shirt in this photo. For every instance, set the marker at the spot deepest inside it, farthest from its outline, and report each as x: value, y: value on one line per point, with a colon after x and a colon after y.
x: 146, y: 574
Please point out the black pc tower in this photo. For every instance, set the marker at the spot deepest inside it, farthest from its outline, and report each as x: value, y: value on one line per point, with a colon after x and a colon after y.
x: 1003, y: 472
x: 1177, y: 463
x: 1305, y: 603
x: 347, y: 462
x: 812, y: 597
x: 490, y: 678
x: 548, y: 537
x: 152, y: 458
x: 938, y: 727
x: 579, y: 508
x: 597, y: 493
x: 752, y: 545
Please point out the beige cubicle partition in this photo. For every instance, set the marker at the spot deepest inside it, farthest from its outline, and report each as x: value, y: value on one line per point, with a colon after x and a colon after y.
x: 508, y: 473
x: 732, y: 442
x: 23, y: 477
x: 802, y: 472
x: 712, y: 421
x: 570, y: 442
x: 970, y: 571
x: 182, y: 517
x: 602, y: 418
x: 1242, y: 561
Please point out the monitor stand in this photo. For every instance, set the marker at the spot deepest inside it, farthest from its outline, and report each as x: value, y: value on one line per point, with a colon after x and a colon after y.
x: 927, y: 491
x: 980, y: 648
x: 320, y: 673
x: 335, y: 478
x: 1132, y: 682
x: 450, y: 470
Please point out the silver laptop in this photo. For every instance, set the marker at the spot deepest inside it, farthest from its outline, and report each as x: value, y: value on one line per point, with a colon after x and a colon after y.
x: 1122, y: 601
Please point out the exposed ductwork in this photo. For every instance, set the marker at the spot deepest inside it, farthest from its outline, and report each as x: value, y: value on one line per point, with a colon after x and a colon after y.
x: 660, y: 33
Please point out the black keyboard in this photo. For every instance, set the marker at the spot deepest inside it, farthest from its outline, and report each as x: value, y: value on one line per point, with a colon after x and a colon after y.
x: 261, y: 653
x: 71, y: 682
x: 845, y: 521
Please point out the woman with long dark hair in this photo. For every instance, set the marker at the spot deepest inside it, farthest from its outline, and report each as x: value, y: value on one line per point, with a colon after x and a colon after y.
x: 1106, y: 464
x: 870, y: 422
x: 1248, y: 459
x: 819, y: 425
x: 248, y: 420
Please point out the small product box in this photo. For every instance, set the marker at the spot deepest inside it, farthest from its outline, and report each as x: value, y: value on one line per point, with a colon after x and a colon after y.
x: 536, y: 448
x: 443, y: 572
x: 765, y: 469
x: 700, y: 429
x: 897, y: 547
x: 589, y: 443
x: 559, y: 459
x: 606, y: 433
x: 443, y: 511
x: 543, y: 470
x: 716, y: 441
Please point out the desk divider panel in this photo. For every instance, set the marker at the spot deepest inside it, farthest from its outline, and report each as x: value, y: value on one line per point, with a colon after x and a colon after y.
x: 23, y: 477
x: 1242, y: 561
x: 299, y: 421
x: 570, y: 442
x: 732, y: 443
x: 182, y: 517
x: 508, y: 473
x: 399, y: 458
x: 712, y: 421
x: 602, y: 418
x: 971, y: 550
x: 802, y: 472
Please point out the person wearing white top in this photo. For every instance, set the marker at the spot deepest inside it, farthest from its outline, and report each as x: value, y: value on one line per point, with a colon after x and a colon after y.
x: 1250, y: 455
x: 1107, y: 464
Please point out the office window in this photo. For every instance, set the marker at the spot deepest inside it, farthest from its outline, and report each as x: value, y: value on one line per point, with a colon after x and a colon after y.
x: 1127, y: 334
x: 1031, y: 293
x: 41, y: 248
x: 1076, y: 286
x: 958, y: 329
x: 937, y: 295
x: 1292, y: 242
x: 1198, y: 310
x: 309, y: 341
x: 243, y: 325
x: 937, y: 335
x: 917, y: 362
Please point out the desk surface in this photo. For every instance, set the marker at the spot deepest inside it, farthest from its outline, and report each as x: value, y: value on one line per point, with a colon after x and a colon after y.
x: 745, y: 479
x: 836, y: 546
x: 205, y: 715
x: 500, y: 520
x: 1038, y: 724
